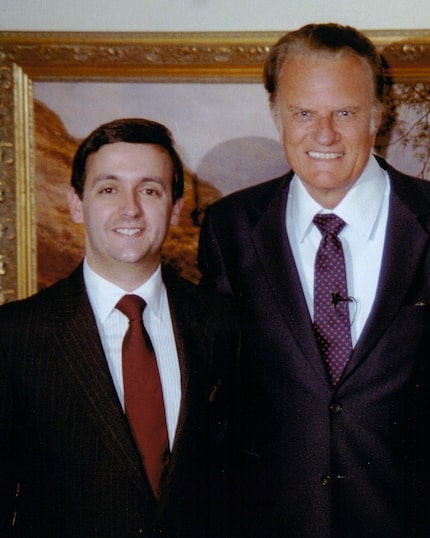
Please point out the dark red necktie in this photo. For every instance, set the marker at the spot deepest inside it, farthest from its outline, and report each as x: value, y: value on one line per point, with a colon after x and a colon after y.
x: 143, y: 397
x: 331, y: 310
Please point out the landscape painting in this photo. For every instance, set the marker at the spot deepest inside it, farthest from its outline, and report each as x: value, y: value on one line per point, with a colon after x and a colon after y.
x: 224, y: 133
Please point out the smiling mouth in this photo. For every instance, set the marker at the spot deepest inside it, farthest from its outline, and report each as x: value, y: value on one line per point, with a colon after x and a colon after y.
x: 324, y: 156
x: 128, y: 231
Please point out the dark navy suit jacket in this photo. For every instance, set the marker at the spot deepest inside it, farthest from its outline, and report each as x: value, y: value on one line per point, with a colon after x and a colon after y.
x: 352, y: 461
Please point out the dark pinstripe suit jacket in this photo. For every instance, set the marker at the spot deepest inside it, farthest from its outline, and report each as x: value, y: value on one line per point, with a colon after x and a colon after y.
x: 64, y: 437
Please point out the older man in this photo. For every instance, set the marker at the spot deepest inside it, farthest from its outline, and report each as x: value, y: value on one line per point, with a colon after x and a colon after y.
x: 331, y: 268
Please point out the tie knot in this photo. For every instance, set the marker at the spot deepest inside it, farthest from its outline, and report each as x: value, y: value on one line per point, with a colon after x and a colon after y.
x: 132, y: 306
x: 329, y: 224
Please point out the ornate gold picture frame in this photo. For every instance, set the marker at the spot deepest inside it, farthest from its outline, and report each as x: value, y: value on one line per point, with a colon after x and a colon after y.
x: 205, y: 57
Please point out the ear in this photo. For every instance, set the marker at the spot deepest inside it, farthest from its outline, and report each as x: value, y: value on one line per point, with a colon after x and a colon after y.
x: 75, y: 206
x: 176, y: 211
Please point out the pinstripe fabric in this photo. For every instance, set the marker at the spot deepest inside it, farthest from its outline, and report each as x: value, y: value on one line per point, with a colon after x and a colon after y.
x: 64, y: 436
x: 112, y: 326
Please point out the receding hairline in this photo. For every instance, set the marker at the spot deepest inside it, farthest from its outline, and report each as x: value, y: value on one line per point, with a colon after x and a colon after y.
x: 377, y: 107
x: 324, y: 40
x: 298, y: 49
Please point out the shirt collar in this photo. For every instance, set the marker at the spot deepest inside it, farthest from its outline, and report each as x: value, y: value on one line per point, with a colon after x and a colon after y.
x: 104, y: 295
x: 359, y: 208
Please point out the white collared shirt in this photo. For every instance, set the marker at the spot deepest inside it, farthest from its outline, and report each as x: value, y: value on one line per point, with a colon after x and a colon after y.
x: 365, y: 211
x: 112, y: 325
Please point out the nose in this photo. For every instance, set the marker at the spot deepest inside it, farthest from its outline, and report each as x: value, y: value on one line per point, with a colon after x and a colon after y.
x: 325, y: 131
x: 130, y: 204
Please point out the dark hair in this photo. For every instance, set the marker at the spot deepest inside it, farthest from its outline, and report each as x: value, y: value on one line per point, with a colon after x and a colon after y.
x: 132, y: 130
x: 319, y: 39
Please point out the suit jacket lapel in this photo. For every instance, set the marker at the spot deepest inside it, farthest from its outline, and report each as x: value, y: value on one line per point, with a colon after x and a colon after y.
x: 77, y: 335
x: 193, y: 343
x: 407, y: 231
x: 194, y: 340
x: 406, y: 238
x: 281, y: 276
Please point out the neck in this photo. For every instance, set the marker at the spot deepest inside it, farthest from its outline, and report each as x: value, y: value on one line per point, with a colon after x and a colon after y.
x: 129, y: 277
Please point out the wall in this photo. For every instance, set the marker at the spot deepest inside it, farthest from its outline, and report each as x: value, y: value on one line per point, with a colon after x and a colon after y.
x: 207, y: 15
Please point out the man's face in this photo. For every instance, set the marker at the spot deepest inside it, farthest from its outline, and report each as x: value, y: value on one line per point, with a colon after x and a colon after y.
x: 126, y: 208
x: 327, y: 121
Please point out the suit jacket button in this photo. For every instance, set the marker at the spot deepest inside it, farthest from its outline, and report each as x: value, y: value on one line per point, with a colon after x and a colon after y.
x: 336, y: 408
x: 325, y: 480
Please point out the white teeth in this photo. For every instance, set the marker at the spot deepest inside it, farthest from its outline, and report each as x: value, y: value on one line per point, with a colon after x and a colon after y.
x: 128, y: 231
x: 327, y: 156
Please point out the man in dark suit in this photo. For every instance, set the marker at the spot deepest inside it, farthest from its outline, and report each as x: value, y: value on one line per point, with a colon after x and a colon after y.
x: 71, y: 460
x: 339, y: 426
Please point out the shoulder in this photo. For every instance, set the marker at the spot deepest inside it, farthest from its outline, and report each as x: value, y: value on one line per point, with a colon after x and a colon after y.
x: 192, y: 300
x: 257, y: 195
x: 42, y: 303
x: 400, y: 179
x: 407, y: 187
x: 182, y: 289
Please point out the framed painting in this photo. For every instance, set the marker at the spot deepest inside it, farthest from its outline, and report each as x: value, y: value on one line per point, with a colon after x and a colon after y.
x: 56, y: 87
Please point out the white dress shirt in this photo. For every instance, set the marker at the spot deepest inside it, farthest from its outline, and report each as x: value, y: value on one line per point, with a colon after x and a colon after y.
x: 365, y: 211
x: 112, y: 325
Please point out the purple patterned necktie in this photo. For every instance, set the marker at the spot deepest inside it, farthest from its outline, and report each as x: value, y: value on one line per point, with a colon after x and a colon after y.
x: 331, y: 310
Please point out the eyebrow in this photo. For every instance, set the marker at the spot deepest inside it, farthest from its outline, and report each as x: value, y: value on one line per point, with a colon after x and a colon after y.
x: 297, y: 108
x: 113, y: 177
